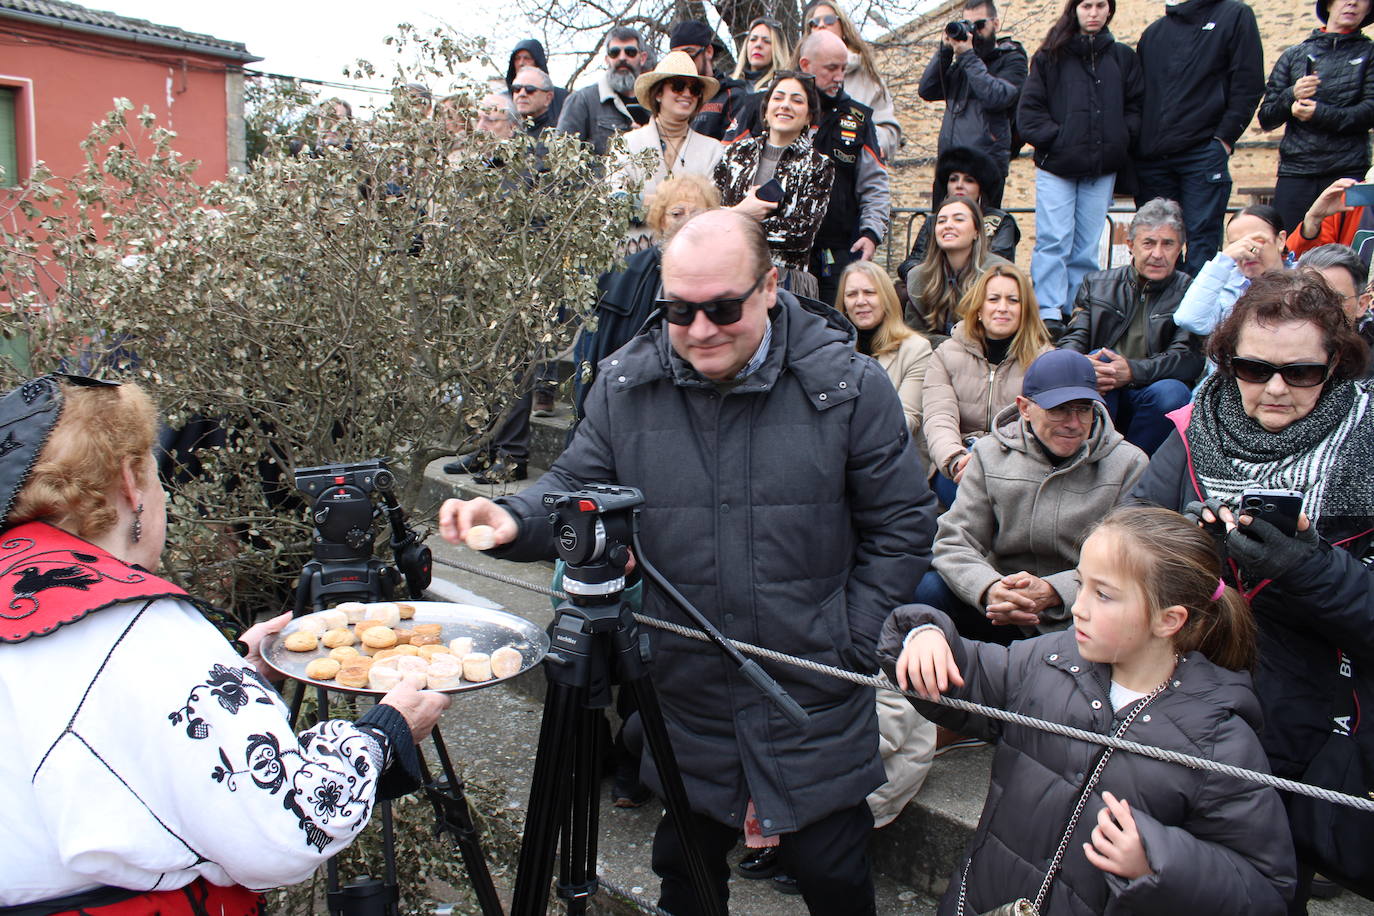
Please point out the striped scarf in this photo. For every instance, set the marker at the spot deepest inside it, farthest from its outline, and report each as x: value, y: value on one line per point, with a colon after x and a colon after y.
x: 1326, y: 455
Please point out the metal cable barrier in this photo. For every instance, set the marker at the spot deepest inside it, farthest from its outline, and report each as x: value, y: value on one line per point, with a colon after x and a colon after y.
x: 881, y: 683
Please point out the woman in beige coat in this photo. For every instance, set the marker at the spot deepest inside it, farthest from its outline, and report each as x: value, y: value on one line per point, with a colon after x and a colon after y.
x: 869, y: 300
x: 978, y: 371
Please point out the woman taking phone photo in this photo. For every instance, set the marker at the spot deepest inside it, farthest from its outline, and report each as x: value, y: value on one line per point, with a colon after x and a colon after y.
x: 1285, y: 411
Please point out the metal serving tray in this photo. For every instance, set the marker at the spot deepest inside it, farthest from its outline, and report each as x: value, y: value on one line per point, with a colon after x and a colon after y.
x: 489, y: 629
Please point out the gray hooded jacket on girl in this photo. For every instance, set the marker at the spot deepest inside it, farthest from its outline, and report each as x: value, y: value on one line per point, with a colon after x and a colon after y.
x: 1216, y: 845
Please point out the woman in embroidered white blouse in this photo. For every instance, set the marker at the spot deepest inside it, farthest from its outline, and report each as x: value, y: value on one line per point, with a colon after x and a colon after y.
x: 147, y: 763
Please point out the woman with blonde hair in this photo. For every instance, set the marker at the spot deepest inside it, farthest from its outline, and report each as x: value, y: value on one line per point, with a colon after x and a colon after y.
x: 150, y: 766
x: 978, y: 371
x: 869, y: 300
x: 763, y: 51
x: 862, y: 82
x: 959, y: 256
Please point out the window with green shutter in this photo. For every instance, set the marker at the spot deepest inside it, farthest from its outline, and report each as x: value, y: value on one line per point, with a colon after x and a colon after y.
x: 9, y: 146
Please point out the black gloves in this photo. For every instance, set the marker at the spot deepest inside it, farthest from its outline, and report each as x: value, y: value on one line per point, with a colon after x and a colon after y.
x: 1265, y: 552
x: 1217, y: 528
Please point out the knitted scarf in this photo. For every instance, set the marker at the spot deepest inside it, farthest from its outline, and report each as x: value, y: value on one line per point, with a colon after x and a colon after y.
x: 1326, y: 454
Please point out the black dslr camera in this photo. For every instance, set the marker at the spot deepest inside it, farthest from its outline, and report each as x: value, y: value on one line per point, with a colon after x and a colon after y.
x: 345, y: 532
x: 960, y: 30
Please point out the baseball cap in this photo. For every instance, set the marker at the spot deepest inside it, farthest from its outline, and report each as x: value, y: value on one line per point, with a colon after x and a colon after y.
x: 1060, y: 376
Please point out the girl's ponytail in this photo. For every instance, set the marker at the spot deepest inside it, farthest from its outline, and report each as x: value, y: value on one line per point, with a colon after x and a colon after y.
x: 1228, y: 636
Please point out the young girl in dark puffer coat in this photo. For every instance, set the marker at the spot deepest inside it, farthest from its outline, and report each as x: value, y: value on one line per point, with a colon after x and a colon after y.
x: 1153, y: 625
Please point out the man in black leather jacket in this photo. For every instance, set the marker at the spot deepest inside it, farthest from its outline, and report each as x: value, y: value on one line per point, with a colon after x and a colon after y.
x: 1124, y: 317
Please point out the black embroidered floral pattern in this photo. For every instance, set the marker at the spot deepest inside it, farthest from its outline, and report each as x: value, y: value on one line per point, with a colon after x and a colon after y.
x: 327, y: 783
x: 234, y: 688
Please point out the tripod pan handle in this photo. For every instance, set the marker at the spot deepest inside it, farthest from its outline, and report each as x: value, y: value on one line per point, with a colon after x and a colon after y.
x: 771, y: 689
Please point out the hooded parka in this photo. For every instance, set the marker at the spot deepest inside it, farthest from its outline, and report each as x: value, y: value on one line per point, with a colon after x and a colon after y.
x: 1215, y: 844
x: 1017, y: 510
x: 791, y: 509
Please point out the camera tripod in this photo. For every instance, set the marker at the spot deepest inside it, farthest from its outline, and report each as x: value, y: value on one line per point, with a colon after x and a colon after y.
x: 595, y: 640
x: 343, y: 569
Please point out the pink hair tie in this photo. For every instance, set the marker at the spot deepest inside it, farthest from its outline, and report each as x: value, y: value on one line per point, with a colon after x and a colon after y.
x: 1221, y: 590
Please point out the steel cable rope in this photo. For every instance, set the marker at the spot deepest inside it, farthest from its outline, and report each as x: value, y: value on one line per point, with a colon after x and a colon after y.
x: 881, y: 683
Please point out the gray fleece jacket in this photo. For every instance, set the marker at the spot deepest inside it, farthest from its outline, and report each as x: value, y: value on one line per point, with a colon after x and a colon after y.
x: 1017, y: 511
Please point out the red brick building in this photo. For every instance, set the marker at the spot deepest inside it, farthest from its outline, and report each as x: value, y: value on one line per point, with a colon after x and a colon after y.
x: 62, y: 65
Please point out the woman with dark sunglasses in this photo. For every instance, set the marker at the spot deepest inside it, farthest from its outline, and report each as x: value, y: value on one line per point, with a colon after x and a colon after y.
x: 673, y: 92
x: 862, y: 81
x: 778, y: 178
x: 1287, y: 410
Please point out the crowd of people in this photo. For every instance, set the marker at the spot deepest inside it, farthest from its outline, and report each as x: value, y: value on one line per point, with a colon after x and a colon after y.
x: 1034, y: 406
x: 1046, y: 488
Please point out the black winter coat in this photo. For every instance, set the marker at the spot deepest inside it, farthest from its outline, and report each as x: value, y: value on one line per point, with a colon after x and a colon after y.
x: 1320, y: 606
x: 1210, y: 839
x: 792, y: 510
x: 717, y: 113
x: 1080, y: 108
x: 980, y: 93
x: 1336, y: 138
x: 1106, y: 305
x: 1204, y: 75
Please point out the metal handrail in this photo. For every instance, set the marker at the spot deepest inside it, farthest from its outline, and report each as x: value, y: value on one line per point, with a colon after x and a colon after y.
x: 910, y: 214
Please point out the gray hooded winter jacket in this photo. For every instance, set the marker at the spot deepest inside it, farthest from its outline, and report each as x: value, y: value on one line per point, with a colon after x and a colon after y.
x: 1216, y: 845
x: 791, y: 509
x: 1018, y: 511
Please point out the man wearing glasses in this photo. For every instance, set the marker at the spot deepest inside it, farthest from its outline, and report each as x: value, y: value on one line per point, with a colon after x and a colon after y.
x: 1005, y: 552
x: 1124, y: 318
x: 698, y: 41
x: 979, y: 77
x: 532, y: 90
x: 599, y: 112
x: 784, y: 499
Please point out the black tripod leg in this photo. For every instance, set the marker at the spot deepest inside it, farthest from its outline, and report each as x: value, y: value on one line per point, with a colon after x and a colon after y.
x: 563, y: 706
x: 674, y: 793
x: 577, y: 879
x: 453, y: 816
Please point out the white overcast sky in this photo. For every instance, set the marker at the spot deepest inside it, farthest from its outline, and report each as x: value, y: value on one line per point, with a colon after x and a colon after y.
x: 317, y: 40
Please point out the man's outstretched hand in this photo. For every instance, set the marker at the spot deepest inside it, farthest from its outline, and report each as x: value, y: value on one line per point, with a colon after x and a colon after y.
x: 479, y: 523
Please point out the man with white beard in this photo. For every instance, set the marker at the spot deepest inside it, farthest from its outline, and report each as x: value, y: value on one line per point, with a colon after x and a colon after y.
x: 599, y: 112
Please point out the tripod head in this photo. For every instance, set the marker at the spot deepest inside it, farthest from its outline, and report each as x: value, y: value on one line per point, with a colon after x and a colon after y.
x: 593, y: 528
x: 345, y: 530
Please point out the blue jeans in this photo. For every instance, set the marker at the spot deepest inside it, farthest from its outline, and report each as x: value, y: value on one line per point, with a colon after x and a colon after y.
x: 1199, y: 179
x: 945, y: 489
x: 1139, y: 413
x: 1070, y: 214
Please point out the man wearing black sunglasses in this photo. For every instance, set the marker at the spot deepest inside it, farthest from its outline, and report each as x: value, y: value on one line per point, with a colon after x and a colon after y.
x: 783, y: 497
x: 980, y: 79
x: 599, y: 112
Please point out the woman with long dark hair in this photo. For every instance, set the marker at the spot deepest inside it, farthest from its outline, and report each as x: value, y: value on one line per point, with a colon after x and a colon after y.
x: 957, y: 258
x: 1080, y: 108
x: 782, y: 151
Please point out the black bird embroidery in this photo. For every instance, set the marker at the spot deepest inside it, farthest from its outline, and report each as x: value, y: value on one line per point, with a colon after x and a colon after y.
x: 31, y: 581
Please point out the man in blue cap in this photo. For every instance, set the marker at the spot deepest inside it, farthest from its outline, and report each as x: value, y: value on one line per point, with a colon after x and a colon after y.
x: 1006, y: 552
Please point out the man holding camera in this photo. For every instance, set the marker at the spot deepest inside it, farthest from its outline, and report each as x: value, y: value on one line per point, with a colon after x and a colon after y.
x: 784, y: 499
x: 979, y: 77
